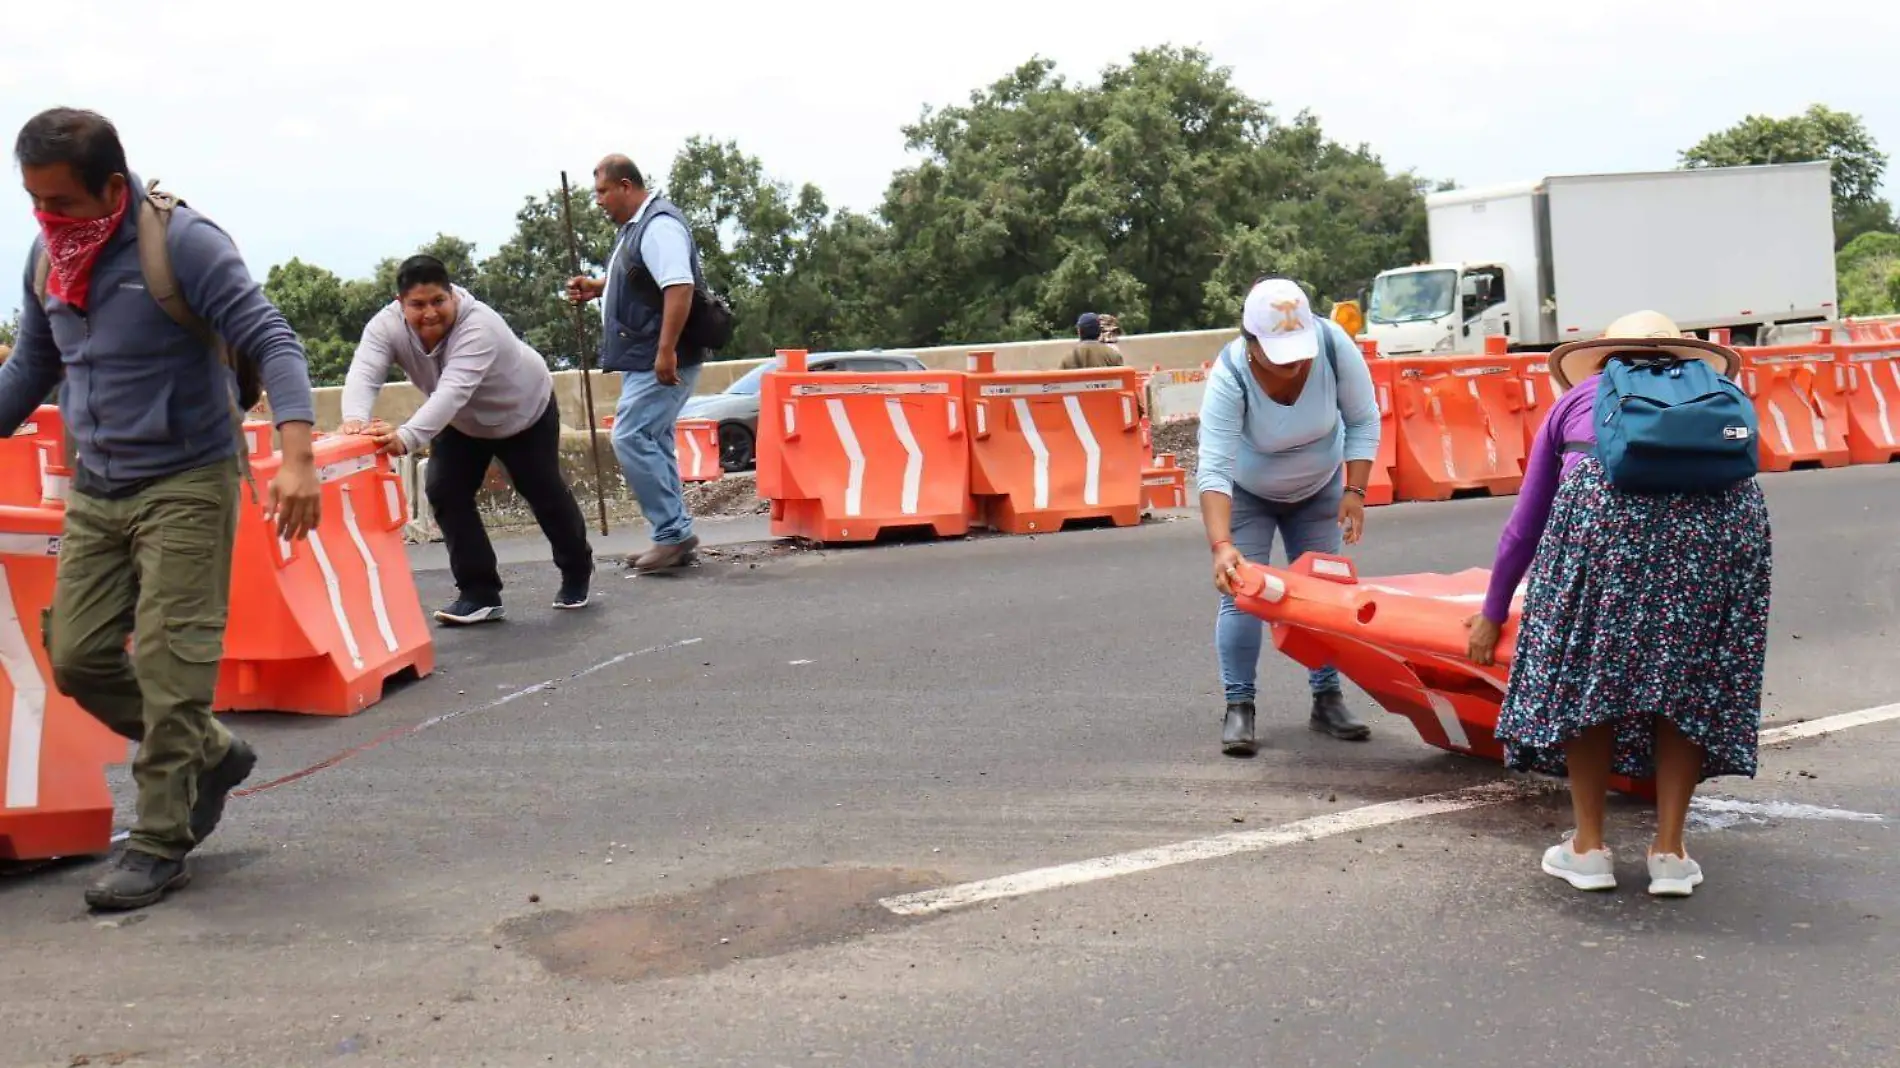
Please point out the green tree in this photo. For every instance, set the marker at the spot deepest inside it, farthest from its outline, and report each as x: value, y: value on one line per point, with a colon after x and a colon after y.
x: 10, y: 330
x: 1156, y: 194
x: 525, y: 277
x: 1869, y: 273
x: 1820, y: 133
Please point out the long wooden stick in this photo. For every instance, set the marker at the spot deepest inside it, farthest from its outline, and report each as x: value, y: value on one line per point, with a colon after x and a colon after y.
x: 580, y: 344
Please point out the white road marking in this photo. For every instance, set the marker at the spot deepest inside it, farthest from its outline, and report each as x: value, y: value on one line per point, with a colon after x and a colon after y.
x: 1081, y: 872
x: 1815, y: 728
x: 930, y: 902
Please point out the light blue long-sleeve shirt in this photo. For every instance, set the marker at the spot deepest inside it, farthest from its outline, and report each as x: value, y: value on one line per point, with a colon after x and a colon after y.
x: 1283, y: 452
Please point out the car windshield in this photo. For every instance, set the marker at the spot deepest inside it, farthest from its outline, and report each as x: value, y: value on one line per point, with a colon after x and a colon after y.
x: 748, y: 384
x: 1412, y: 297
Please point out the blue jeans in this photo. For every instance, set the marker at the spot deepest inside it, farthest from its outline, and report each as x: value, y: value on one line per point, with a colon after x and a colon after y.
x: 1311, y: 525
x: 643, y: 441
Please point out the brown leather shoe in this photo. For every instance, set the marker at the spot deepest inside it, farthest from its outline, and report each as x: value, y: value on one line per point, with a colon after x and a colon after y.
x: 666, y: 557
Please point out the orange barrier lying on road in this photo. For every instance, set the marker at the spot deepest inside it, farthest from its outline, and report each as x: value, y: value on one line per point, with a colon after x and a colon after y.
x: 843, y: 458
x: 1459, y: 426
x: 696, y: 443
x: 1401, y: 639
x: 22, y: 466
x: 319, y: 626
x: 1052, y: 447
x: 54, y: 801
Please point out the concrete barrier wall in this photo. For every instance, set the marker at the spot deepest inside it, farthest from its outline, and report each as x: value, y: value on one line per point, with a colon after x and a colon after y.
x: 1189, y: 349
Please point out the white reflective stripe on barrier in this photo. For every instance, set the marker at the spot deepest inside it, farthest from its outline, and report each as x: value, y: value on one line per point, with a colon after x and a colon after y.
x: 854, y: 453
x: 865, y: 389
x: 345, y: 468
x: 699, y: 455
x: 1038, y: 448
x: 334, y: 589
x: 376, y: 602
x: 1047, y: 389
x: 913, y: 456
x: 1448, y: 720
x: 1092, y: 481
x: 28, y: 545
x: 28, y: 724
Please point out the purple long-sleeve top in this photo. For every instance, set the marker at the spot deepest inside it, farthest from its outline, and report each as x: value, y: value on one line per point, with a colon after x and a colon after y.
x: 1572, y: 419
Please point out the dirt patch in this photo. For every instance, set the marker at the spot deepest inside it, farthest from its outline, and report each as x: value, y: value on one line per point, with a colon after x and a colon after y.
x: 1183, y: 440
x: 745, y: 918
x: 734, y: 494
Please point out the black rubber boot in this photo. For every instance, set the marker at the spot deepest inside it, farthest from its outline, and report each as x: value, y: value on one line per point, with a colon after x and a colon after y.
x: 1236, y: 736
x: 1331, y: 716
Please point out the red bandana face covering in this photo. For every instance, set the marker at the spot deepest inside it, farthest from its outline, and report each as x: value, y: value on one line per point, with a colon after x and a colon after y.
x: 72, y: 247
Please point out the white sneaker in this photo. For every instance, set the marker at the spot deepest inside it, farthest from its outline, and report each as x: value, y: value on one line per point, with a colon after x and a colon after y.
x: 1595, y: 870
x: 1673, y: 876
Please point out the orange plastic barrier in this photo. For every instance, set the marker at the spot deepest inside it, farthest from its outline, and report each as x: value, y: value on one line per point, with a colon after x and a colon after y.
x: 1873, y: 404
x: 53, y: 796
x: 696, y: 443
x: 319, y: 626
x: 1380, y: 488
x: 1801, y: 404
x: 21, y: 464
x: 1051, y: 447
x: 1164, y: 485
x: 845, y: 457
x: 1460, y: 426
x: 1401, y: 639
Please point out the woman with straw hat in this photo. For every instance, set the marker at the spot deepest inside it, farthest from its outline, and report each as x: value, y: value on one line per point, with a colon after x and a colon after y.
x: 1645, y: 623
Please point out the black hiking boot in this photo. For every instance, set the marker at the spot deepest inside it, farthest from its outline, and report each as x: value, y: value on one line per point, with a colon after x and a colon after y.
x: 135, y: 880
x: 1236, y: 736
x: 216, y: 784
x: 1331, y: 716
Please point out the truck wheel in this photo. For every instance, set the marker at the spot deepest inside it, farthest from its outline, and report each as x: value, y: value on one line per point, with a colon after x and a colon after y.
x: 735, y: 447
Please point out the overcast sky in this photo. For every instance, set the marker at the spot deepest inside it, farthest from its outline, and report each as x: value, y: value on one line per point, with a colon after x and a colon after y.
x: 345, y: 131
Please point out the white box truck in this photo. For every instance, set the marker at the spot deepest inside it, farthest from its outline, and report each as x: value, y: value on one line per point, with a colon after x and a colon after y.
x: 1558, y: 260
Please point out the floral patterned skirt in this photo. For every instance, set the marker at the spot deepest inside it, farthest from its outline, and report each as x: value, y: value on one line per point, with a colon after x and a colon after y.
x: 1642, y: 606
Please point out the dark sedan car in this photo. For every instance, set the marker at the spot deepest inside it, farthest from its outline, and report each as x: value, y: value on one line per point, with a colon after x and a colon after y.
x: 737, y: 409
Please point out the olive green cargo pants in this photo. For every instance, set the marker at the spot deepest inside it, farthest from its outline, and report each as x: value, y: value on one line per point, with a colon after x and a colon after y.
x: 155, y: 565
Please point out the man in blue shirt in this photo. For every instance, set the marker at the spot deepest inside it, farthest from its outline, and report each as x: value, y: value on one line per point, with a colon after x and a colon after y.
x: 645, y: 299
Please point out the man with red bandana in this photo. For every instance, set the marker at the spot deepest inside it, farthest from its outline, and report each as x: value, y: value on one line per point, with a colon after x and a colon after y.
x: 152, y: 513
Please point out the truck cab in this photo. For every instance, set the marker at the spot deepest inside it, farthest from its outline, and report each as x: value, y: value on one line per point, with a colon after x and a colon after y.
x: 1441, y: 308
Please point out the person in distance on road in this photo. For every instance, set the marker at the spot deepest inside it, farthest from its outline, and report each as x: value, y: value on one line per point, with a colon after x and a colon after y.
x: 1289, y: 430
x: 151, y: 516
x: 645, y: 300
x: 1645, y: 627
x: 491, y: 397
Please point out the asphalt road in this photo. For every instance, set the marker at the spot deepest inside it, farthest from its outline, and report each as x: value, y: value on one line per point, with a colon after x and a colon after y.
x: 676, y: 858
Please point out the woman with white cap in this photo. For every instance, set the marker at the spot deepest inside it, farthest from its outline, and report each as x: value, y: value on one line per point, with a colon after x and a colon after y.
x: 1645, y: 624
x: 1289, y: 430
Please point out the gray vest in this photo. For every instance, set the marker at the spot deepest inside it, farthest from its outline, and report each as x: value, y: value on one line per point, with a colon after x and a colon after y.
x: 631, y: 338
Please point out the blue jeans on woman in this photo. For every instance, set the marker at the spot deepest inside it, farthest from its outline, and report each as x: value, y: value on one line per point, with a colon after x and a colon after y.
x: 1311, y: 525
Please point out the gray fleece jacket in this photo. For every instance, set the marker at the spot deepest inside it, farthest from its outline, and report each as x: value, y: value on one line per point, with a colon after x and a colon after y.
x: 143, y: 398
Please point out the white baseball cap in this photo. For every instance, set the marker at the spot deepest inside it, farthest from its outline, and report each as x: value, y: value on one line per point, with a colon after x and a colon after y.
x: 1280, y: 318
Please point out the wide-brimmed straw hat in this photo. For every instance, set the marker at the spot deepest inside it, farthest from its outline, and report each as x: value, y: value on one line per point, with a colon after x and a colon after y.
x: 1637, y: 332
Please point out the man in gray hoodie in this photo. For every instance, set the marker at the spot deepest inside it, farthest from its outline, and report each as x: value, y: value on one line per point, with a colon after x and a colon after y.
x: 152, y: 514
x: 491, y: 397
